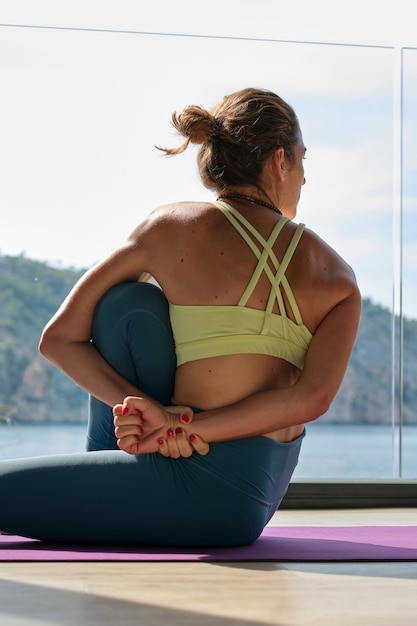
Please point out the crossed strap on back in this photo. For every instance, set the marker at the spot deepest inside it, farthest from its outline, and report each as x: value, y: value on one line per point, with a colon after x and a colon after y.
x: 277, y: 279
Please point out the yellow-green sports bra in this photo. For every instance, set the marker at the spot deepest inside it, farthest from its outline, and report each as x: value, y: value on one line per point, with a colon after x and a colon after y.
x: 216, y: 330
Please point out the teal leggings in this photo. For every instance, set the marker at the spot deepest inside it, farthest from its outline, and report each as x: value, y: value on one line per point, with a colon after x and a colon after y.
x: 107, y: 496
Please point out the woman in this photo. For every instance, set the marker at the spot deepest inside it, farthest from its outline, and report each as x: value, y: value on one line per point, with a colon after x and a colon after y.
x: 246, y: 341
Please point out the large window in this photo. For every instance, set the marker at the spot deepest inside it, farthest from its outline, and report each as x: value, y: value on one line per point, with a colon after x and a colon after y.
x: 80, y: 114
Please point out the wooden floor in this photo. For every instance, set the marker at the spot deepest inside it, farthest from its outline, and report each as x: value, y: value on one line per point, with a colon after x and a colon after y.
x: 218, y: 594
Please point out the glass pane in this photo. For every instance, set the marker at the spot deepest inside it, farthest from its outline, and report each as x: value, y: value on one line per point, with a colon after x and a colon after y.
x: 79, y: 170
x: 352, y: 208
x: 409, y: 452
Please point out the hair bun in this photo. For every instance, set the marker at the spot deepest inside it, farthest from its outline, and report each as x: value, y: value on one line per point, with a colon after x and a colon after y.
x: 194, y: 123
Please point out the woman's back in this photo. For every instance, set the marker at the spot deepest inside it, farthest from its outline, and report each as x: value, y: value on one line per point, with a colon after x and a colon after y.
x: 200, y: 259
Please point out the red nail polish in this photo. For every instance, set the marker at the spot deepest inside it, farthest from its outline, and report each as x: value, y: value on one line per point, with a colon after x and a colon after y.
x: 192, y: 438
x: 170, y: 432
x: 125, y: 410
x: 184, y: 418
x: 178, y: 430
x: 160, y: 442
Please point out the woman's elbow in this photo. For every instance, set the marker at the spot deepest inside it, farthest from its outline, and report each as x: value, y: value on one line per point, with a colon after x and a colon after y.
x: 45, y: 343
x: 319, y: 404
x: 50, y: 343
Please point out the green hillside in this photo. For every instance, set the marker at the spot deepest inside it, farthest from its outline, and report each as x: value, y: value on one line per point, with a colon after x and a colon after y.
x: 31, y: 390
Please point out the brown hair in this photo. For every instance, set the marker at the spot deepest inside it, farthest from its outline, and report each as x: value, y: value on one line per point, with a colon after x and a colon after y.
x: 237, y: 136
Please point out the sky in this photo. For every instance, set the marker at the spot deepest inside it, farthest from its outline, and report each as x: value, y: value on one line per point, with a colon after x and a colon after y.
x: 88, y: 91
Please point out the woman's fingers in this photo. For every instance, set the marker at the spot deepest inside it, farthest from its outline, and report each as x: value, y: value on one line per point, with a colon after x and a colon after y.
x: 176, y: 444
x: 199, y: 445
x: 131, y: 407
x: 183, y: 443
x: 184, y: 414
x: 163, y: 447
x: 130, y: 444
x: 126, y: 423
x: 129, y: 430
x: 133, y: 404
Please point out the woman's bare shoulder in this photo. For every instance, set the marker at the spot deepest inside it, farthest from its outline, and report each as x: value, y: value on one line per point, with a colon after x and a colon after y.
x: 326, y: 261
x: 320, y: 278
x: 170, y: 216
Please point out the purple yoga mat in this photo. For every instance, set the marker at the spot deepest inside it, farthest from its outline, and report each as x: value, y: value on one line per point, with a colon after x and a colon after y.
x: 277, y: 543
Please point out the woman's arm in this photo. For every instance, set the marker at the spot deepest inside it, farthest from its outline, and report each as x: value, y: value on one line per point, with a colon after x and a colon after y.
x: 307, y: 399
x: 66, y: 340
x: 263, y: 412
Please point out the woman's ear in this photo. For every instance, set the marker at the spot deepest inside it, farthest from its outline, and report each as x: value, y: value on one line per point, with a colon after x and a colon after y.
x: 279, y: 163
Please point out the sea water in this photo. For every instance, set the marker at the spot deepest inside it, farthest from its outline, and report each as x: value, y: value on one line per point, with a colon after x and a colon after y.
x: 328, y: 451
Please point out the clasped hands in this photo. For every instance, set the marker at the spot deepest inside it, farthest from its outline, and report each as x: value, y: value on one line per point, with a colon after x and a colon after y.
x: 142, y: 425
